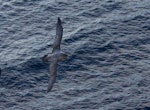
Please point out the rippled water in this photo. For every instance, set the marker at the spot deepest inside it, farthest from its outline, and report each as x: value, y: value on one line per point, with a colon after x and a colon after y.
x: 108, y: 42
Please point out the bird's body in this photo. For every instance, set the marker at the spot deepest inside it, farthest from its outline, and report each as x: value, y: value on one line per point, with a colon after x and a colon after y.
x: 56, y: 56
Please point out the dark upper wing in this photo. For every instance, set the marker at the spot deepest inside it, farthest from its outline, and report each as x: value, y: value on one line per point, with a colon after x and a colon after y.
x: 58, y: 37
x: 53, y: 74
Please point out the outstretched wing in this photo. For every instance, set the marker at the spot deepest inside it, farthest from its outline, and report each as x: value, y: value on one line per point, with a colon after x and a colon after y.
x: 58, y: 37
x: 53, y: 74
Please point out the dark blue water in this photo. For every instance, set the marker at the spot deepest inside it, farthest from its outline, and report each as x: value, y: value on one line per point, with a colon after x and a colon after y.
x: 108, y: 43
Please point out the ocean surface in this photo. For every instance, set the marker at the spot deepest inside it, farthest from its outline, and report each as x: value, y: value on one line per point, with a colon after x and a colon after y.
x: 108, y: 43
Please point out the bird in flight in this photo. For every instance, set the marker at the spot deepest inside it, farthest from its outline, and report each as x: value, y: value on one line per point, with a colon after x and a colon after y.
x: 56, y: 55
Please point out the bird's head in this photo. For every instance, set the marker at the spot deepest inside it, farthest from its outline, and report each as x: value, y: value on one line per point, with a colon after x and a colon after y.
x: 45, y: 58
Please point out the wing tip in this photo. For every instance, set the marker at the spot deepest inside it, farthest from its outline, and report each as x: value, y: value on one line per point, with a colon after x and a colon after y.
x: 59, y: 20
x: 49, y: 89
x: 59, y: 27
